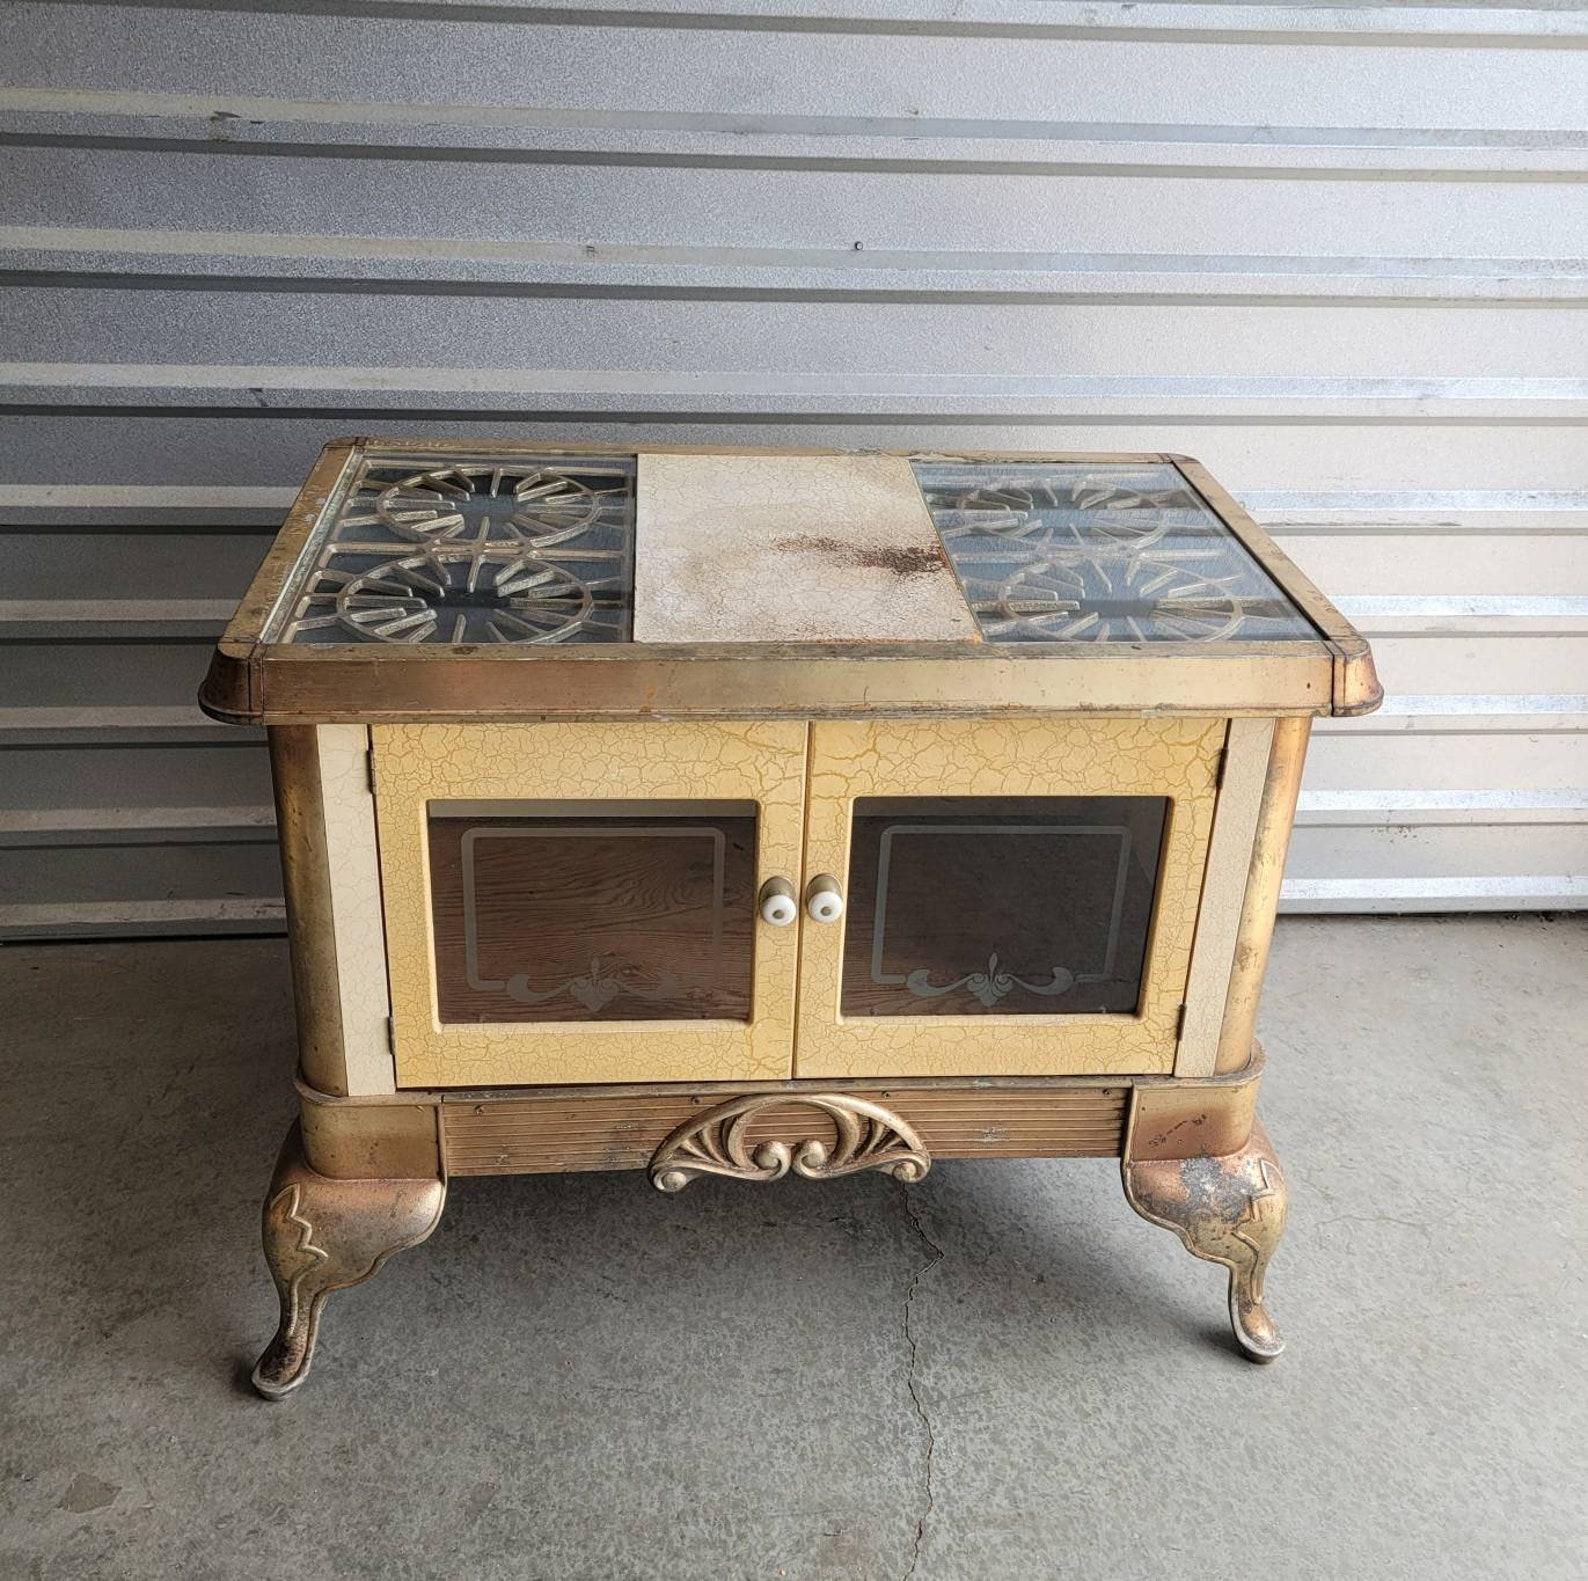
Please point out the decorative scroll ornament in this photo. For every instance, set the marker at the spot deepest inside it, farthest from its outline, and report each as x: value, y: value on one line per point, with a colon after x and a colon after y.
x: 991, y: 985
x: 718, y: 1143
x: 600, y: 986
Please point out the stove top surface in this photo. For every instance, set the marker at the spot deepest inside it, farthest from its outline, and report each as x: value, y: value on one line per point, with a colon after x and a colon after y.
x: 436, y: 579
x: 541, y: 549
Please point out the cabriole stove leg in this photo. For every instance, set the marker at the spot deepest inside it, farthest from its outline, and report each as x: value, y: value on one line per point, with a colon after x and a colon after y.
x: 323, y: 1235
x: 1228, y: 1210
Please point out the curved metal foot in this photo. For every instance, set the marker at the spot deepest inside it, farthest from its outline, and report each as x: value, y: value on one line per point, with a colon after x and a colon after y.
x: 1228, y: 1210
x: 323, y: 1235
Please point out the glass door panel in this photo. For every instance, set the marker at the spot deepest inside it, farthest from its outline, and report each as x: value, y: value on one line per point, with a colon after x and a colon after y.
x: 579, y: 912
x: 1033, y: 905
x: 1001, y: 897
x: 572, y: 903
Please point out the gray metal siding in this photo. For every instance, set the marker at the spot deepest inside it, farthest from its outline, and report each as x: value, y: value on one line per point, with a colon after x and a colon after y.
x: 1334, y: 252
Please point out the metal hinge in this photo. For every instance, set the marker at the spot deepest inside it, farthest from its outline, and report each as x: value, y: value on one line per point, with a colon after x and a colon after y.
x: 1179, y: 1024
x: 1218, y: 772
x: 391, y: 1037
x: 369, y: 768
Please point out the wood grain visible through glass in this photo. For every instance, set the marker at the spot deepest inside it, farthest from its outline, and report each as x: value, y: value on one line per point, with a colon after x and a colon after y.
x: 1000, y: 906
x: 585, y: 918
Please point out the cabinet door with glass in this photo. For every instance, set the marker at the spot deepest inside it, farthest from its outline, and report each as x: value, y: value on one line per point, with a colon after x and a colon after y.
x: 573, y: 903
x: 1012, y: 897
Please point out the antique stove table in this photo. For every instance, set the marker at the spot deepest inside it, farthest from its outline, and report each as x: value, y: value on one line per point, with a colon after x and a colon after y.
x: 736, y: 813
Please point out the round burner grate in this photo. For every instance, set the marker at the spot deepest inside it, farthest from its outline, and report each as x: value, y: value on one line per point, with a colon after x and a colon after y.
x: 545, y: 505
x: 1116, y: 517
x: 1065, y: 597
x: 464, y: 594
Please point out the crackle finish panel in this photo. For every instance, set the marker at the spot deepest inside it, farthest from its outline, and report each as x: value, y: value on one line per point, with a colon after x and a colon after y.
x: 1174, y: 758
x: 790, y: 549
x: 415, y: 764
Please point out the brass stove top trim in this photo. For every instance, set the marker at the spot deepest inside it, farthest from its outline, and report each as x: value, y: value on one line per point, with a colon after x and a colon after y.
x: 254, y: 682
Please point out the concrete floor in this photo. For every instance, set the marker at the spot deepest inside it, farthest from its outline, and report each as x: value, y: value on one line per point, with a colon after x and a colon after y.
x: 1003, y: 1373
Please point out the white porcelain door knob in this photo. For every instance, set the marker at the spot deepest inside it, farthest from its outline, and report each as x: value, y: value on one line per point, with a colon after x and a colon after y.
x: 824, y: 900
x: 777, y: 905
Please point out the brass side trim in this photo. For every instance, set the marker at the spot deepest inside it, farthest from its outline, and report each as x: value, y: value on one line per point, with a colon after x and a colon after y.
x: 1256, y: 931
x: 306, y: 881
x: 232, y: 689
x: 406, y: 445
x: 616, y: 681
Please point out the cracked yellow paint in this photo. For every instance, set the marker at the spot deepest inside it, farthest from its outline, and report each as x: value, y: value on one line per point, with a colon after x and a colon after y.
x: 414, y: 764
x: 1174, y: 757
x: 765, y: 763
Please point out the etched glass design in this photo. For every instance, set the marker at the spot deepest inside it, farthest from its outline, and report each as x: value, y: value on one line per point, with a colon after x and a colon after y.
x: 1084, y: 552
x: 608, y: 912
x: 533, y: 550
x: 1030, y: 905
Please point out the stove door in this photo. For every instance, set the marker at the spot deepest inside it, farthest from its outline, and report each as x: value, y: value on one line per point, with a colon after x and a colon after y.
x: 1002, y: 898
x: 590, y: 903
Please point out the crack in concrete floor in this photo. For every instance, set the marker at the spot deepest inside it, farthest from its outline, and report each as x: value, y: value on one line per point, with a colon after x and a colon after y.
x: 911, y: 1378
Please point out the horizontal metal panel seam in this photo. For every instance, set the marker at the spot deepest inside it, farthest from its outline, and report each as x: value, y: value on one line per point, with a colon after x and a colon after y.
x: 1498, y: 26
x: 526, y: 420
x: 1233, y: 162
x: 255, y: 112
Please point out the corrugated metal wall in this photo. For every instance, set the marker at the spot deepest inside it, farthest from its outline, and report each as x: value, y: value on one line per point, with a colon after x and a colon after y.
x: 1336, y: 253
